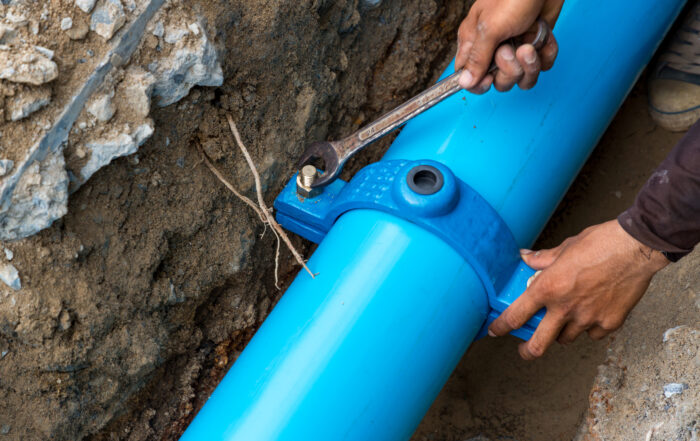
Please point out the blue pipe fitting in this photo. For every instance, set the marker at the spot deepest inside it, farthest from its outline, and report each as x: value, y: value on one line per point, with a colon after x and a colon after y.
x: 426, y: 193
x: 360, y: 352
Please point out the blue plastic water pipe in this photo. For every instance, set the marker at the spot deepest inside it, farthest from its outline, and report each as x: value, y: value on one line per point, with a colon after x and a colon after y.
x: 361, y: 351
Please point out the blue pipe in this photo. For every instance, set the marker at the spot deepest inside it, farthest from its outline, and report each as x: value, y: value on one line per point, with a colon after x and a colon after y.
x: 360, y: 352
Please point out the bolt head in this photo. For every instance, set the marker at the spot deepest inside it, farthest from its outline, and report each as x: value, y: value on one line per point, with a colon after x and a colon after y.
x: 307, y: 192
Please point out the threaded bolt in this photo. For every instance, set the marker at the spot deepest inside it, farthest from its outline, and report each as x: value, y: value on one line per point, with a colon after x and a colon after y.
x: 308, y: 175
x: 305, y: 180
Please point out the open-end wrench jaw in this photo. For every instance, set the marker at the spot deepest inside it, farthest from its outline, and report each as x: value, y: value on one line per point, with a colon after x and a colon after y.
x: 326, y: 152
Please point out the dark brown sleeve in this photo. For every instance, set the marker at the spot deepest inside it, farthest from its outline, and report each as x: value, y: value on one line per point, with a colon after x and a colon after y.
x: 666, y: 214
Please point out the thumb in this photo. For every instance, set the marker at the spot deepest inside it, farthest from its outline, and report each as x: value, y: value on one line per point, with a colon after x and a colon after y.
x: 541, y: 259
x: 488, y: 33
x: 479, y: 58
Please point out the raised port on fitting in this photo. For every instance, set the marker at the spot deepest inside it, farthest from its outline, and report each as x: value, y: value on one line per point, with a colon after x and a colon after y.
x: 425, y: 179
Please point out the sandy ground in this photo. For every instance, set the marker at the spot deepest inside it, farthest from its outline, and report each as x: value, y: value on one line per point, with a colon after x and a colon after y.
x: 495, y: 394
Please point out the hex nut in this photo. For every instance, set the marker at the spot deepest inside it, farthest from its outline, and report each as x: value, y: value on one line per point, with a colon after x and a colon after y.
x: 307, y: 192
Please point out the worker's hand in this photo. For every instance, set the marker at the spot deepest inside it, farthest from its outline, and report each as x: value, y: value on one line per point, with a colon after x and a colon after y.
x: 588, y: 283
x: 487, y: 26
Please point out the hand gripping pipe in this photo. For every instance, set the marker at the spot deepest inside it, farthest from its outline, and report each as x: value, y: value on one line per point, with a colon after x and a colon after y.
x: 360, y: 352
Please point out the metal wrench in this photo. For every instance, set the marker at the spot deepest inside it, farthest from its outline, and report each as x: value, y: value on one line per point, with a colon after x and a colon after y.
x: 334, y: 154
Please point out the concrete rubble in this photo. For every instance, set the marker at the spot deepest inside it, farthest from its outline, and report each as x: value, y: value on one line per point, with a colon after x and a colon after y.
x: 108, y: 18
x: 26, y: 64
x: 103, y: 151
x: 24, y: 104
x: 94, y: 122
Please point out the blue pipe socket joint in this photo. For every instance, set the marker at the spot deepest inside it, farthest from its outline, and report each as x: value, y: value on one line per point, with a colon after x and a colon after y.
x: 428, y: 194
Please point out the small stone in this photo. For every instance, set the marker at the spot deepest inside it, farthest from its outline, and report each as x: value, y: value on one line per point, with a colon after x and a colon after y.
x: 64, y: 321
x: 82, y: 125
x: 156, y: 179
x: 136, y: 89
x: 5, y: 429
x: 194, y: 28
x: 80, y: 152
x: 66, y: 23
x: 48, y: 53
x: 101, y: 107
x: 78, y: 31
x: 16, y: 19
x: 9, y: 255
x: 85, y: 5
x: 5, y: 166
x: 672, y: 389
x: 159, y: 30
x: 108, y: 18
x: 10, y: 276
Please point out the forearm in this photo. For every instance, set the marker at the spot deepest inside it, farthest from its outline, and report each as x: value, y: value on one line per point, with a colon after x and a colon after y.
x: 666, y: 213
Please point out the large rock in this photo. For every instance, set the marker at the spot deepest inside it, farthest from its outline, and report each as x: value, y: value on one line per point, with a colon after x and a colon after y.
x: 190, y: 64
x: 103, y: 151
x: 40, y: 197
x: 108, y: 18
x: 26, y: 64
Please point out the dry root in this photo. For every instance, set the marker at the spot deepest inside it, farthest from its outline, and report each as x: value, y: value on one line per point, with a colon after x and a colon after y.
x: 263, y: 212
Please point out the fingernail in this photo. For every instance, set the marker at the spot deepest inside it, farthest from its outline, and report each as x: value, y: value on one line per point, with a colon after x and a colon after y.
x: 491, y: 333
x: 508, y: 55
x: 525, y: 252
x: 532, y: 278
x: 530, y: 57
x: 466, y: 79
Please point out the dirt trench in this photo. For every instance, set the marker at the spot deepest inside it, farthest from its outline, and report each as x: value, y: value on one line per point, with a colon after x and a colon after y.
x: 136, y: 302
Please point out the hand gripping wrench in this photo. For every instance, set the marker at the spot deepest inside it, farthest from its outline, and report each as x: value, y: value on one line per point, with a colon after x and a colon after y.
x: 334, y: 154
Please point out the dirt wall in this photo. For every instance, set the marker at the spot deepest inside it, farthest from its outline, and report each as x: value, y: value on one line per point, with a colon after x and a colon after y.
x: 135, y: 302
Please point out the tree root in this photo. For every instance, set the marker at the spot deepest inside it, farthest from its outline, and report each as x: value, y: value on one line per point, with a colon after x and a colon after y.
x: 261, y: 209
